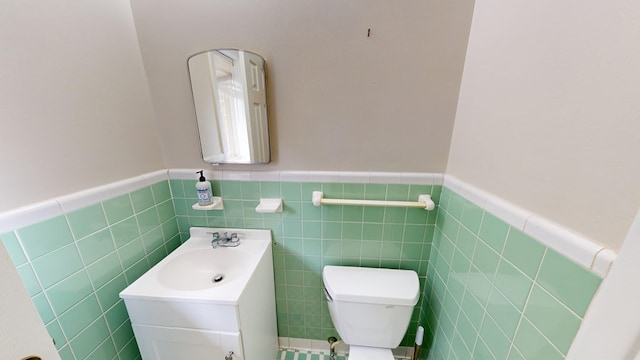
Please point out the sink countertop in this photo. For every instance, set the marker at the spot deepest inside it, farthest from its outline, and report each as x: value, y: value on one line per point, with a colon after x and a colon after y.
x: 254, y: 244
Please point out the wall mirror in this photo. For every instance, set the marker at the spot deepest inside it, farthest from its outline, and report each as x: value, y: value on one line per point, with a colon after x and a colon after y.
x: 230, y: 98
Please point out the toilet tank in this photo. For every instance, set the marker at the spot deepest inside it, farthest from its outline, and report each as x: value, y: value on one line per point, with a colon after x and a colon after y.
x: 370, y: 306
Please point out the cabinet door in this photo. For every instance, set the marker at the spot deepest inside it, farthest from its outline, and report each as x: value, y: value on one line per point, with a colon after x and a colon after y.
x: 165, y: 343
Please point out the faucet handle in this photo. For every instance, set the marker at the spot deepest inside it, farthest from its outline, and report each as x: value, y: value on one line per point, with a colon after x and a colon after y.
x: 234, y: 240
x: 214, y: 240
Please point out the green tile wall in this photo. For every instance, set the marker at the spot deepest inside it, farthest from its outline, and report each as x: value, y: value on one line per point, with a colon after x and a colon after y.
x: 488, y: 290
x: 495, y: 293
x: 75, y: 265
x: 308, y: 237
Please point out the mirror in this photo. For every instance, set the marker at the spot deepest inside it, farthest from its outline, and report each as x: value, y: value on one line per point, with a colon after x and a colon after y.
x: 230, y: 98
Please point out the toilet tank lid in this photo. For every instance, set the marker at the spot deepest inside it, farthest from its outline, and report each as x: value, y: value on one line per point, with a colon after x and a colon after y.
x: 371, y: 285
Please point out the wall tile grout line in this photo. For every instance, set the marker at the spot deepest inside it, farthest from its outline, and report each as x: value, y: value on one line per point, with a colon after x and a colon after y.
x: 308, y: 253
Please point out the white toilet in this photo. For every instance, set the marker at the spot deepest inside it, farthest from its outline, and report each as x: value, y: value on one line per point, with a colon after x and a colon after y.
x: 370, y: 308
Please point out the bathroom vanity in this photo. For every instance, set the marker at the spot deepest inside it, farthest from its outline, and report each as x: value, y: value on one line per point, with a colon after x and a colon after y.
x: 206, y: 303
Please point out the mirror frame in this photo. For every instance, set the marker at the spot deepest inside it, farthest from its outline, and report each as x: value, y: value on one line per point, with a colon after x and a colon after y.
x: 202, y: 123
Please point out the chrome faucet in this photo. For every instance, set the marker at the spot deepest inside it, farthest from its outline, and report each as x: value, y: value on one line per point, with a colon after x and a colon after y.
x: 225, y: 241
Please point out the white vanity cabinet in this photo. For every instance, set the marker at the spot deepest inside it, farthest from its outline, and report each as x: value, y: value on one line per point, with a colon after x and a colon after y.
x: 171, y: 330
x: 168, y: 343
x: 176, y: 325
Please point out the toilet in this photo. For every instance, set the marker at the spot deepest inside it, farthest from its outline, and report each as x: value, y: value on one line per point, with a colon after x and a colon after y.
x: 370, y: 308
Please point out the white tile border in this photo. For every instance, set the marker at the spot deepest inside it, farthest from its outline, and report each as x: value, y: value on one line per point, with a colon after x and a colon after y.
x: 84, y: 198
x: 35, y: 213
x: 604, y: 260
x: 363, y: 177
x: 562, y: 240
x: 584, y: 252
x: 156, y: 176
x: 28, y: 215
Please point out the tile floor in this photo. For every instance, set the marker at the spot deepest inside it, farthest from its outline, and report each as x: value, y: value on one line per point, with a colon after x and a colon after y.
x: 291, y: 354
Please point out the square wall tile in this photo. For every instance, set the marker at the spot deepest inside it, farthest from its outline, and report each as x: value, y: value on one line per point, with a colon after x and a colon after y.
x: 573, y: 285
x: 165, y: 211
x: 375, y: 191
x: 148, y: 220
x: 11, y: 243
x: 472, y: 216
x: 533, y: 345
x: 493, y: 231
x: 29, y: 279
x: 87, y: 220
x: 80, y: 316
x: 117, y: 317
x: 123, y: 335
x: 142, y: 199
x: 131, y: 253
x: 291, y: 191
x: 177, y: 190
x: 504, y: 313
x: 95, y: 246
x: 118, y: 208
x: 109, y: 294
x: 161, y: 192
x: 69, y: 291
x: 125, y: 231
x: 513, y: 283
x: 54, y: 330
x: 44, y: 237
x: 44, y: 309
x: 48, y: 266
x: 491, y: 334
x: 104, y: 269
x: 90, y: 338
x: 270, y: 189
x: 554, y: 320
x: 525, y: 252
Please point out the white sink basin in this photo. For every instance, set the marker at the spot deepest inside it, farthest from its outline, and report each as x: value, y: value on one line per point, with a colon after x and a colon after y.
x: 203, y: 269
x: 201, y: 302
x: 190, y: 272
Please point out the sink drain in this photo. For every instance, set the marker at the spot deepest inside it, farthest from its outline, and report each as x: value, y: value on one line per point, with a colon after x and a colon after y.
x: 217, y: 278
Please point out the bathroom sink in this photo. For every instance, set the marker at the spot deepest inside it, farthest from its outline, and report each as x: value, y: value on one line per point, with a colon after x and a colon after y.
x: 200, y: 302
x: 202, y: 269
x: 195, y: 271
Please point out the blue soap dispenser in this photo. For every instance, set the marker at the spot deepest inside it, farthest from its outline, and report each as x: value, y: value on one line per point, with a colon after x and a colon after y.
x: 203, y: 187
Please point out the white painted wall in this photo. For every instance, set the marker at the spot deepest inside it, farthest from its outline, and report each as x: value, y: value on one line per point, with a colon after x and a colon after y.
x: 548, y: 116
x: 75, y: 109
x: 339, y: 100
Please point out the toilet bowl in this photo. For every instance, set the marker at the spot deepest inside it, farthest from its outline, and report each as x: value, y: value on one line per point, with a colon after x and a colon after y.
x: 370, y: 308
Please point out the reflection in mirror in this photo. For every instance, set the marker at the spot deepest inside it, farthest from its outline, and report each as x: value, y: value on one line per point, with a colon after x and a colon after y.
x: 230, y: 98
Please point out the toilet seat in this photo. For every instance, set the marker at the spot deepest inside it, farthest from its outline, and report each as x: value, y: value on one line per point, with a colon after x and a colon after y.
x: 369, y: 353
